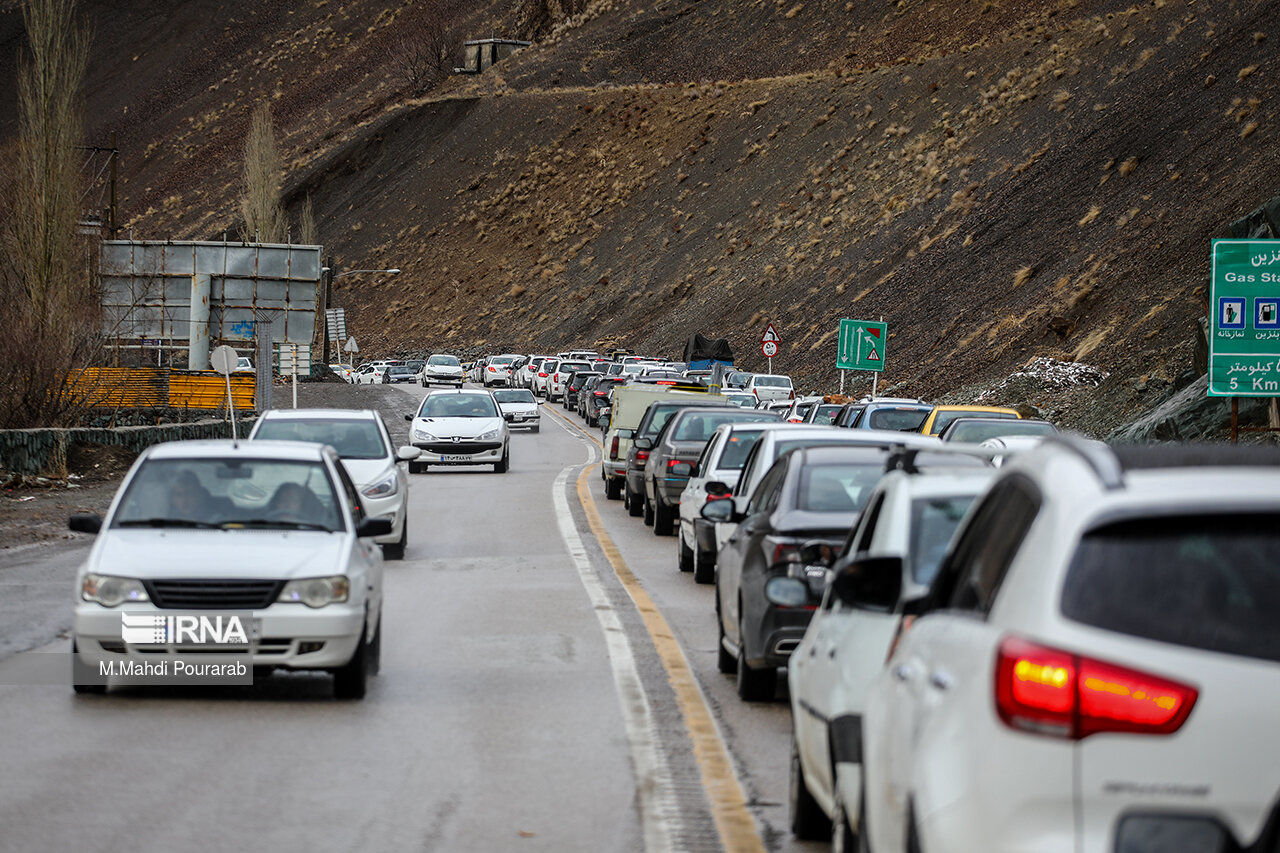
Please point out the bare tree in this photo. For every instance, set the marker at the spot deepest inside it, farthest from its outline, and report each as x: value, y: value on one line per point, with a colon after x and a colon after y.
x: 264, y: 217
x: 307, y: 233
x: 427, y: 48
x: 49, y: 305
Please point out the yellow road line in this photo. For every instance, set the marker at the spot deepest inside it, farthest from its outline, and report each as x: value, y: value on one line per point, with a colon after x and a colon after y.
x: 734, y: 823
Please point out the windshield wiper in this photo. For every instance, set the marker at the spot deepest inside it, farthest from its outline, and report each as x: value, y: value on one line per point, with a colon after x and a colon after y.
x: 274, y: 522
x: 164, y: 522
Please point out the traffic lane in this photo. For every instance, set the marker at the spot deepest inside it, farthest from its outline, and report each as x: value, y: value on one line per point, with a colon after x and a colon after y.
x: 494, y: 723
x: 758, y: 734
x: 36, y: 586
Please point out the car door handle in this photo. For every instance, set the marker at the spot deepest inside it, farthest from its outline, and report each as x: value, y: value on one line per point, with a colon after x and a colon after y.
x: 941, y: 680
x: 902, y: 672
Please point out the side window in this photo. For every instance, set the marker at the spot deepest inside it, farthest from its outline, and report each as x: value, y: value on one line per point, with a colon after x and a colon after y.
x: 748, y: 470
x: 867, y: 531
x: 765, y: 496
x: 709, y: 453
x: 353, y: 495
x: 977, y: 567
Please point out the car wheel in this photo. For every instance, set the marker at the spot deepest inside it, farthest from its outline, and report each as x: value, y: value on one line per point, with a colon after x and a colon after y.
x: 632, y: 502
x: 612, y: 489
x: 536, y: 428
x: 686, y: 554
x: 395, y: 550
x: 704, y: 566
x: 417, y: 467
x: 725, y: 662
x: 754, y: 685
x: 86, y: 689
x: 663, y: 516
x: 808, y: 823
x: 351, y: 680
x: 647, y: 510
x: 501, y: 467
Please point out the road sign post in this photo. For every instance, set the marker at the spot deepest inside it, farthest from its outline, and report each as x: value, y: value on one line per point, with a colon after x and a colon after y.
x: 292, y: 359
x: 224, y: 360
x: 1244, y: 323
x: 860, y: 345
x: 769, y: 343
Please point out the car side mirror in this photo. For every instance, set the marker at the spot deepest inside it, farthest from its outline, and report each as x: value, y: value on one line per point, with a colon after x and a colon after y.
x: 409, y: 418
x: 371, y: 527
x: 406, y: 453
x: 508, y: 417
x: 870, y: 583
x: 85, y: 522
x: 716, y: 487
x: 681, y: 469
x: 719, y: 510
x: 643, y: 444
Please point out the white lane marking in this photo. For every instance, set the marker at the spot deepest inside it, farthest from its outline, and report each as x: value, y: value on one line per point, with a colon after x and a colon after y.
x: 659, y: 808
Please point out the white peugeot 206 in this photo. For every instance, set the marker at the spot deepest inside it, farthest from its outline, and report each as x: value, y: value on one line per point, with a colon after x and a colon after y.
x: 463, y: 427
x: 274, y: 529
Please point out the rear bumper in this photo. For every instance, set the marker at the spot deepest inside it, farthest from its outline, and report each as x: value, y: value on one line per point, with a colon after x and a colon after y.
x: 671, y: 488
x: 704, y: 532
x: 614, y: 468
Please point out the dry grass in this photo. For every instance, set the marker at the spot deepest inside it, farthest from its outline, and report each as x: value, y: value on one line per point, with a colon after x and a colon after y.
x: 1023, y: 276
x: 1091, y: 215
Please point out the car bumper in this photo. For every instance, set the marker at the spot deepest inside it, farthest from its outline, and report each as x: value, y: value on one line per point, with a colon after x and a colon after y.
x: 443, y: 380
x: 390, y: 507
x: 635, y: 480
x: 525, y: 420
x: 462, y: 453
x: 704, y: 533
x: 614, y: 468
x: 777, y: 635
x: 279, y: 632
x: 671, y: 488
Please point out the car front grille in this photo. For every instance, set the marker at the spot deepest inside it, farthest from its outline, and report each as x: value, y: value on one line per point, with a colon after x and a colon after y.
x: 448, y: 447
x: 213, y: 594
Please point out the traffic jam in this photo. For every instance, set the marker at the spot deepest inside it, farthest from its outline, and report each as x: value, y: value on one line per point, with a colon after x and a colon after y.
x: 885, y: 624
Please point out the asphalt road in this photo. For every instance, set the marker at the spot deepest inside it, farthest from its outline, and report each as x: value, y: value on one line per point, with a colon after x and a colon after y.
x: 525, y: 702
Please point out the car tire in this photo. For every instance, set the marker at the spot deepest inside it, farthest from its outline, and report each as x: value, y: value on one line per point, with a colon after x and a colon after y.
x: 418, y: 467
x: 395, y: 550
x: 704, y: 566
x: 647, y: 511
x: 350, y: 681
x: 501, y: 466
x: 754, y: 685
x: 663, y: 516
x: 536, y: 428
x: 685, y: 554
x: 85, y: 689
x: 632, y: 502
x: 808, y: 822
x: 726, y: 663
x: 612, y: 489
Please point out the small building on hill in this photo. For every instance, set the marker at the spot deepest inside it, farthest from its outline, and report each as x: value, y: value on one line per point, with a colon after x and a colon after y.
x: 479, y: 54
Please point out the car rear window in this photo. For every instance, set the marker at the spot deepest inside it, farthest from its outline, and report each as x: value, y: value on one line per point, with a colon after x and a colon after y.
x: 902, y: 420
x: 842, y: 487
x: 944, y: 418
x: 977, y: 433
x: 700, y: 426
x: 933, y: 521
x: 1210, y: 582
x: 826, y: 414
x: 773, y: 381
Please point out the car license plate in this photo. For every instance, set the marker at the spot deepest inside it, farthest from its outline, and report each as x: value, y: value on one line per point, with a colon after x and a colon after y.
x: 456, y: 457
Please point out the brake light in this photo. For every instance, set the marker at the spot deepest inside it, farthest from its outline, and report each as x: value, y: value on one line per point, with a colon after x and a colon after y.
x: 543, y: 375
x: 493, y: 369
x: 642, y: 455
x: 1058, y: 693
x: 671, y: 463
x: 784, y: 551
x: 613, y: 448
x: 599, y: 393
x: 795, y: 420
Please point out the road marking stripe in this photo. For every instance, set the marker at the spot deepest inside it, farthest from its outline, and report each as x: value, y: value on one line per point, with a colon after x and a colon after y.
x: 654, y: 788
x: 728, y: 804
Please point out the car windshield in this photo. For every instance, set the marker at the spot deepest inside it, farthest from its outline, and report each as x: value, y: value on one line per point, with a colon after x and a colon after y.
x: 458, y: 406
x: 933, y: 520
x: 444, y: 361
x: 230, y: 493
x: 826, y: 414
x: 979, y: 431
x: 514, y: 395
x: 700, y: 426
x: 736, y: 448
x: 353, y: 438
x: 838, y: 487
x: 572, y: 366
x: 773, y: 382
x: 902, y: 420
x: 944, y: 418
x: 1207, y: 582
x: 746, y: 401
x: 502, y: 360
x: 400, y: 370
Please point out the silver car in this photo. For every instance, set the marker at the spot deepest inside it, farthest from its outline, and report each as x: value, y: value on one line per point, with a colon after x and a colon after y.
x: 442, y: 369
x: 463, y: 427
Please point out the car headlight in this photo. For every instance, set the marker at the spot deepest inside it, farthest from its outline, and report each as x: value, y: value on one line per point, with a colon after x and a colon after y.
x: 109, y: 590
x: 491, y: 435
x: 384, y: 488
x: 316, y: 592
x: 422, y: 435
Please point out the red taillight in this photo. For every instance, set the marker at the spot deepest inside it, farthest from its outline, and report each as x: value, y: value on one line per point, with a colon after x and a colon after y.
x: 665, y: 382
x: 795, y: 420
x: 613, y: 448
x: 543, y: 375
x: 600, y: 393
x: 642, y: 455
x: 1058, y: 693
x: 671, y: 463
x: 493, y: 369
x: 793, y: 396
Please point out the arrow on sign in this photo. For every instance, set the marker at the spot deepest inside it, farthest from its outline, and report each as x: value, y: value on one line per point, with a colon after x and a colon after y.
x: 770, y: 335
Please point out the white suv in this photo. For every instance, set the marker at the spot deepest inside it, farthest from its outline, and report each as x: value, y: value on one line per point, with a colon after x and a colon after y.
x: 1097, y: 667
x: 909, y: 517
x: 767, y: 387
x: 565, y: 369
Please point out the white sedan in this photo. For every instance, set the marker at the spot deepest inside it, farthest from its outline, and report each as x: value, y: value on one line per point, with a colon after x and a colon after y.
x: 265, y: 528
x: 364, y: 445
x: 458, y: 427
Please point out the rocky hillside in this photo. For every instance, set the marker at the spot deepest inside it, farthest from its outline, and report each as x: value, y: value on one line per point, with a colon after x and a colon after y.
x: 999, y: 179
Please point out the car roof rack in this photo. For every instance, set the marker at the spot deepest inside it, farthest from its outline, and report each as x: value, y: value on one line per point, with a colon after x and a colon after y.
x: 906, y: 458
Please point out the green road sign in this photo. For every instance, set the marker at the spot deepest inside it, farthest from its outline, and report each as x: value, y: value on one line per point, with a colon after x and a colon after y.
x: 860, y: 345
x: 1244, y: 329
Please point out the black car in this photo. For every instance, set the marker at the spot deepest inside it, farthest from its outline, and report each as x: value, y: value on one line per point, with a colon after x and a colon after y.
x: 573, y: 386
x: 399, y: 373
x: 594, y: 397
x: 849, y: 414
x: 808, y: 499
x: 651, y: 423
x: 682, y: 440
